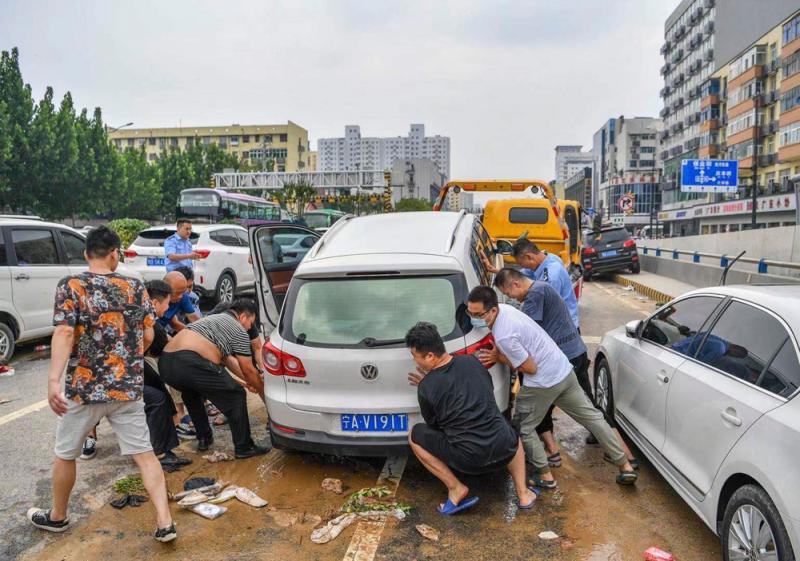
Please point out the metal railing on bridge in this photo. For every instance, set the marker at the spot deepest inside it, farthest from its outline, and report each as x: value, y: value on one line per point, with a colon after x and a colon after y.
x: 724, y: 259
x: 367, y: 179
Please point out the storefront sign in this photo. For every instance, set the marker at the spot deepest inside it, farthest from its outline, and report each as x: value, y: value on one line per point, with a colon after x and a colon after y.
x: 773, y: 203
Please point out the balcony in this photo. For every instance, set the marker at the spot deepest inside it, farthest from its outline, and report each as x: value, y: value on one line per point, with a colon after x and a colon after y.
x: 709, y: 125
x: 665, y: 69
x: 768, y: 98
x: 708, y: 28
x: 774, y: 66
x: 708, y: 4
x: 708, y: 151
x: 680, y: 32
x: 709, y: 100
x: 664, y: 112
x: 676, y: 150
x: 691, y: 144
x: 677, y: 56
x: 664, y: 154
x: 709, y: 55
x: 768, y: 128
x: 665, y: 91
x: 665, y: 48
x: 766, y: 160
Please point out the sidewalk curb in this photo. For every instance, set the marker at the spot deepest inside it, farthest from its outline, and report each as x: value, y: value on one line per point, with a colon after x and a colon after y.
x: 643, y: 289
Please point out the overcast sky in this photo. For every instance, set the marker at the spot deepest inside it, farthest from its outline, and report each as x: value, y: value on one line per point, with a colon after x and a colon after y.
x: 507, y: 81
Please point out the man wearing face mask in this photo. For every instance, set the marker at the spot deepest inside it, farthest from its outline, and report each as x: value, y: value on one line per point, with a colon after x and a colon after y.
x: 463, y: 428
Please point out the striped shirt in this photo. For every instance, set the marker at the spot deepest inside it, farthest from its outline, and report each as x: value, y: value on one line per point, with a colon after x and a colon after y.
x: 225, y: 332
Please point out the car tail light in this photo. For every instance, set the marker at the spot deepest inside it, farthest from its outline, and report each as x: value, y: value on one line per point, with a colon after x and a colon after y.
x: 485, y: 343
x: 635, y: 258
x: 279, y: 363
x: 589, y: 251
x: 281, y: 428
x: 129, y: 253
x: 587, y: 265
x: 629, y: 243
x: 203, y: 252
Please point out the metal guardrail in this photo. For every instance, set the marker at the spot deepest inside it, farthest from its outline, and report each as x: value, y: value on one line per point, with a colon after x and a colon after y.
x: 724, y: 259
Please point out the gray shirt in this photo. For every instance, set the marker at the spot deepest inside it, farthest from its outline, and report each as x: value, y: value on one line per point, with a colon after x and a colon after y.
x: 546, y: 307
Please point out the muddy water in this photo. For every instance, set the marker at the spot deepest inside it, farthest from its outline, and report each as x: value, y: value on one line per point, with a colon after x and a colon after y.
x: 291, y: 484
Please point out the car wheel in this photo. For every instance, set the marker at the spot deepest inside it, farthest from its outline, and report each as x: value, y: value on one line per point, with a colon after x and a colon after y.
x: 226, y: 287
x: 603, y: 394
x: 6, y: 343
x: 752, y: 529
x: 635, y: 268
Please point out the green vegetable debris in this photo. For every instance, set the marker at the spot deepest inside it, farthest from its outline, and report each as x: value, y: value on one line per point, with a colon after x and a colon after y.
x: 374, y: 499
x: 131, y: 485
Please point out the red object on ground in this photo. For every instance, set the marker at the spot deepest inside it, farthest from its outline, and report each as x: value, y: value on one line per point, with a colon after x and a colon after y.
x: 656, y: 554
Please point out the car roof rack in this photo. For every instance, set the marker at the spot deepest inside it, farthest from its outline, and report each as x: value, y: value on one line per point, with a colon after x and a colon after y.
x: 22, y: 217
x: 338, y: 225
x: 461, y: 214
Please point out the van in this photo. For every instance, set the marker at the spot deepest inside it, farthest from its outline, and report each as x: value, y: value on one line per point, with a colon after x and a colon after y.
x: 336, y: 360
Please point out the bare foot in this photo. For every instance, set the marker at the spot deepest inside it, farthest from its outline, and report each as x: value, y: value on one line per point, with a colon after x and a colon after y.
x: 547, y: 477
x: 457, y: 494
x: 625, y: 467
x: 527, y: 498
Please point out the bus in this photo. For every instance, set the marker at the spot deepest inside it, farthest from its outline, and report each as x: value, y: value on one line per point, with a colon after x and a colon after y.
x: 213, y: 205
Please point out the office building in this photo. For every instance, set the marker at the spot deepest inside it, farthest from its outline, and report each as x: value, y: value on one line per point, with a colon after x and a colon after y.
x: 750, y: 112
x: 700, y: 36
x: 579, y: 187
x: 286, y: 145
x: 353, y: 152
x: 626, y: 164
x: 569, y: 161
x: 416, y: 178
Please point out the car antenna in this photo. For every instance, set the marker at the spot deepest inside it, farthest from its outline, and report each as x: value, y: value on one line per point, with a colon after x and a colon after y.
x: 728, y: 267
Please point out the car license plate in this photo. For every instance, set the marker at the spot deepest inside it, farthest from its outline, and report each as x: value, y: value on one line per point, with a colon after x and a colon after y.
x: 611, y: 253
x: 156, y: 262
x: 389, y: 422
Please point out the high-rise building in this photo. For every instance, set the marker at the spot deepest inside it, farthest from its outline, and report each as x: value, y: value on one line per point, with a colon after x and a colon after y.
x: 700, y: 36
x: 416, y: 178
x: 626, y: 164
x: 285, y: 145
x: 579, y: 187
x: 750, y: 112
x: 569, y: 161
x: 353, y: 152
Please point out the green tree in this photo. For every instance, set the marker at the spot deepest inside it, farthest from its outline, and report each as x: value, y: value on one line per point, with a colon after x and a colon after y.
x: 67, y: 195
x: 140, y: 195
x: 296, y: 196
x: 34, y: 187
x: 411, y: 205
x: 15, y: 94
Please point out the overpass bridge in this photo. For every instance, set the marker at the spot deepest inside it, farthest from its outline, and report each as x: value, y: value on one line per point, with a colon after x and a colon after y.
x: 327, y: 181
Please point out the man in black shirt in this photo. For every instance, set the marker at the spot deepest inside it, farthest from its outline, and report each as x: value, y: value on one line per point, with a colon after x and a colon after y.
x: 463, y: 429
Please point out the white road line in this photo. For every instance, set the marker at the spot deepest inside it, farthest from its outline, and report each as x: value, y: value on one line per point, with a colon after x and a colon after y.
x: 32, y: 408
x: 367, y: 536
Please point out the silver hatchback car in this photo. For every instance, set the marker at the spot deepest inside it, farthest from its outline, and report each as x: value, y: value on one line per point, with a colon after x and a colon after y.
x: 707, y: 388
x: 336, y: 360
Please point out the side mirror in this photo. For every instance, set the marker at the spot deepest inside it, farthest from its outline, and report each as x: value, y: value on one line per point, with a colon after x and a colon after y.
x: 633, y: 328
x: 462, y: 318
x: 504, y: 247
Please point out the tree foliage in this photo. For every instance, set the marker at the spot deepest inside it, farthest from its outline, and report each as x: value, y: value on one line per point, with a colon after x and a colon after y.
x: 411, y: 205
x: 57, y: 162
x: 296, y: 196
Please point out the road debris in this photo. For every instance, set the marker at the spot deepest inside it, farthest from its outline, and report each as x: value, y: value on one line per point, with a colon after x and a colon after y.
x: 208, y: 491
x: 197, y: 482
x: 282, y: 518
x: 131, y: 485
x: 548, y: 535
x: 209, y: 511
x: 656, y: 554
x: 374, y: 499
x: 628, y: 288
x: 248, y: 497
x: 332, y: 485
x: 227, y: 494
x: 333, y: 528
x: 428, y: 532
x: 218, y: 456
x: 6, y: 370
x: 129, y: 500
x: 193, y: 498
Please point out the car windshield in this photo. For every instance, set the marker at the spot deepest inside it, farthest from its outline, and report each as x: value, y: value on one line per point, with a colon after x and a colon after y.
x: 316, y: 220
x: 370, y: 311
x: 155, y: 238
x: 609, y: 236
x: 199, y: 199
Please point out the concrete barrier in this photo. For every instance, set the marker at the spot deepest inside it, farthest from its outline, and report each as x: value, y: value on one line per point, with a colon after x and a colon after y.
x: 702, y: 274
x: 778, y: 244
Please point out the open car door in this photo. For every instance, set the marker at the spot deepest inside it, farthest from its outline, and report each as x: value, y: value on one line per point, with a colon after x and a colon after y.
x: 276, y: 251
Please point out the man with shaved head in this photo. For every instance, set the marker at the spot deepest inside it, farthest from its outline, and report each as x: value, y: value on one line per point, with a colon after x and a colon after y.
x: 179, y: 303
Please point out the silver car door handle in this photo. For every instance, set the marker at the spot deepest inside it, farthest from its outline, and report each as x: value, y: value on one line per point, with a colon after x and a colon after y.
x: 22, y: 276
x: 732, y: 419
x: 663, y: 378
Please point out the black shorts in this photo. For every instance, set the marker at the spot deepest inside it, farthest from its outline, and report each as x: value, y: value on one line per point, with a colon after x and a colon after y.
x: 435, y: 442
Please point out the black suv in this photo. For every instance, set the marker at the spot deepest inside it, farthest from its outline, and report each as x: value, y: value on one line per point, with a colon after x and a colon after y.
x: 609, y: 250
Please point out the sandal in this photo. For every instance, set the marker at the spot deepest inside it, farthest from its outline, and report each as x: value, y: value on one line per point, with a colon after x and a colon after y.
x: 627, y: 477
x: 220, y: 420
x: 554, y: 460
x: 211, y: 410
x: 633, y: 462
x: 543, y: 483
x: 530, y: 505
x: 448, y: 508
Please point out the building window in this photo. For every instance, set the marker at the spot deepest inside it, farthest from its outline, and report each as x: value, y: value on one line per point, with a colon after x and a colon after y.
x: 206, y: 140
x: 118, y: 143
x: 256, y: 138
x: 791, y: 30
x: 162, y: 142
x: 790, y: 99
x: 744, y: 121
x: 245, y: 154
x: 246, y: 138
x: 267, y: 138
x: 223, y: 141
x: 790, y: 134
x: 130, y: 142
x: 755, y: 56
x: 173, y: 141
x: 747, y: 91
x: 791, y: 65
x: 284, y: 138
x: 648, y: 149
x: 152, y: 157
x: 234, y: 141
x: 189, y: 141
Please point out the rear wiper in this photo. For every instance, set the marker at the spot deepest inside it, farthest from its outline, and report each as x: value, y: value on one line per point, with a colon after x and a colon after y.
x: 372, y: 342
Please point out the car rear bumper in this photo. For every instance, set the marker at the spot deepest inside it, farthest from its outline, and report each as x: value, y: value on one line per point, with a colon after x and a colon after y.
x: 606, y: 265
x: 322, y: 443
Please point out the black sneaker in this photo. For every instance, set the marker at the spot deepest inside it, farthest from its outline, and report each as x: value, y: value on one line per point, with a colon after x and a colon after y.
x: 41, y: 519
x: 89, y: 448
x: 254, y: 450
x: 165, y: 535
x: 171, y: 459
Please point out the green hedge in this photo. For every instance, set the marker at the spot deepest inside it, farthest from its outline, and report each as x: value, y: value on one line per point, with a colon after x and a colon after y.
x: 127, y: 229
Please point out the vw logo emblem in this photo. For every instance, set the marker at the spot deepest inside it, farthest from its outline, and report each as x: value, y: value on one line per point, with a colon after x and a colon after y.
x: 369, y: 371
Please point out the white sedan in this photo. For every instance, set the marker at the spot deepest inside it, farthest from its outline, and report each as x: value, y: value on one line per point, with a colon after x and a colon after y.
x: 707, y: 388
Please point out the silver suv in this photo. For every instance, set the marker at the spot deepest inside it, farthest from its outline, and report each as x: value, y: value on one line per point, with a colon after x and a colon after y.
x: 34, y: 256
x: 337, y: 365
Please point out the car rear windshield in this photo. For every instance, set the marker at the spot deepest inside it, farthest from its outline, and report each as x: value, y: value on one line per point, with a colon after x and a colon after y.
x: 606, y: 236
x: 155, y: 238
x: 524, y: 215
x: 370, y: 312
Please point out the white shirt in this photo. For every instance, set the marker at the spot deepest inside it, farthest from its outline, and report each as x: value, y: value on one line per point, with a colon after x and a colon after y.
x: 519, y: 337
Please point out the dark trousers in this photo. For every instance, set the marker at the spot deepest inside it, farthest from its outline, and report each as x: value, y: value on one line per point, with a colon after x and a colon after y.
x: 581, y: 366
x: 199, y: 379
x: 158, y: 409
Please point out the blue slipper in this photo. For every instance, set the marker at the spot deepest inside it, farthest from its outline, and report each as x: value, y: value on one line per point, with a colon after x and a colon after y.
x: 449, y: 508
x: 529, y: 506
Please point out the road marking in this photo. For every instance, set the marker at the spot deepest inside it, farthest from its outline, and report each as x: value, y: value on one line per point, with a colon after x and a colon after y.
x: 367, y: 536
x: 592, y: 339
x: 32, y: 408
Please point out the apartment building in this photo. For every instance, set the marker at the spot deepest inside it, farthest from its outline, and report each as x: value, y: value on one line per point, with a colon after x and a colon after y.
x: 750, y: 112
x: 354, y: 151
x: 570, y: 159
x: 700, y: 36
x: 286, y: 145
x: 578, y: 187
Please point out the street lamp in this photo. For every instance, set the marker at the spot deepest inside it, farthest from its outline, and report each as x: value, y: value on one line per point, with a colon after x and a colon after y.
x: 115, y: 129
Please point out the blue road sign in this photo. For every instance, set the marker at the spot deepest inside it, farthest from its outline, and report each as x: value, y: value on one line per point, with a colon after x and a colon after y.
x: 709, y: 176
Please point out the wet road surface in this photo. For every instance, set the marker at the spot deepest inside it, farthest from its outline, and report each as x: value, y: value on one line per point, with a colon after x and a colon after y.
x: 596, y: 519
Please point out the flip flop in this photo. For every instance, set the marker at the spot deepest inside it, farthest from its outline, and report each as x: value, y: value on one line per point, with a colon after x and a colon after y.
x: 554, y: 460
x: 634, y: 462
x: 543, y: 484
x: 627, y: 477
x: 530, y: 505
x: 449, y: 508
